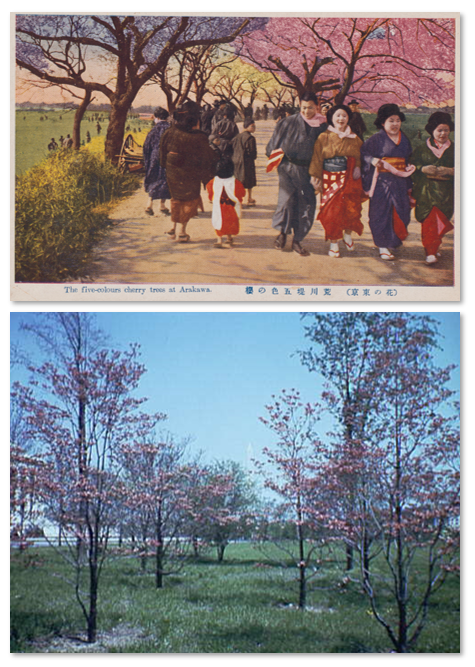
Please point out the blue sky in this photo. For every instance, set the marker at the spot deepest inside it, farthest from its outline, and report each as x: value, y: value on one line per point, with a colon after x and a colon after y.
x: 213, y: 373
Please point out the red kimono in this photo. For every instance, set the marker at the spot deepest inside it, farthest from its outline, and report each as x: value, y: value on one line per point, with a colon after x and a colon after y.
x: 230, y: 224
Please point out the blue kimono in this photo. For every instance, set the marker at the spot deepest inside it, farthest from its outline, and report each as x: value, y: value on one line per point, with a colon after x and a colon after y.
x: 391, y: 192
x: 296, y: 201
x: 155, y: 176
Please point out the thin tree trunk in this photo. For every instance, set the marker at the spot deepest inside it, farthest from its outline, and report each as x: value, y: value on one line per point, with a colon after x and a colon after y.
x: 78, y: 116
x: 349, y: 558
x: 302, y: 565
x: 221, y: 547
x: 159, y: 553
x: 93, y: 590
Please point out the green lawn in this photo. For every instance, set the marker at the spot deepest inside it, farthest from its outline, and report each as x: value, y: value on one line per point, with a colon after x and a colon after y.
x: 245, y: 605
x: 33, y: 135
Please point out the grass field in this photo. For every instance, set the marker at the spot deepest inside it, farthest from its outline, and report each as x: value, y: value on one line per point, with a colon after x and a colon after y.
x: 33, y: 135
x: 244, y: 605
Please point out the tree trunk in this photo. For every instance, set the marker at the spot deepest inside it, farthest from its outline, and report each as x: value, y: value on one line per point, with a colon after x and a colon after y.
x: 366, y: 549
x: 302, y: 564
x: 78, y: 116
x: 93, y: 589
x: 302, y: 586
x: 159, y: 553
x: 143, y: 562
x: 349, y: 558
x: 159, y: 567
x: 196, y: 546
x: 221, y: 547
x: 115, y: 131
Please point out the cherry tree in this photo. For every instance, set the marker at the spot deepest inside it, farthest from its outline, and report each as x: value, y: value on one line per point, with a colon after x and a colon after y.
x: 79, y: 480
x: 288, y: 470
x: 25, y: 508
x: 393, y: 486
x: 190, y: 72
x: 62, y: 50
x: 401, y: 60
x: 156, y: 476
x: 239, y: 82
x: 222, y: 505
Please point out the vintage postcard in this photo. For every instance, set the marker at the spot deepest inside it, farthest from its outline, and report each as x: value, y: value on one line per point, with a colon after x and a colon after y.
x: 287, y: 158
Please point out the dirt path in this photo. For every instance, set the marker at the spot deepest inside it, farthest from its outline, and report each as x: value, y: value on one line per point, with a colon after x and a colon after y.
x: 136, y: 249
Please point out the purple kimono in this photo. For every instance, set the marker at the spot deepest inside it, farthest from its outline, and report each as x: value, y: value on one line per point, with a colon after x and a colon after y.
x: 391, y: 192
x: 155, y: 176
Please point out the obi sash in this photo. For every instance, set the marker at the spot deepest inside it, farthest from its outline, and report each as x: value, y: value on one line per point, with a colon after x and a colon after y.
x: 337, y: 163
x: 394, y: 165
x: 398, y: 163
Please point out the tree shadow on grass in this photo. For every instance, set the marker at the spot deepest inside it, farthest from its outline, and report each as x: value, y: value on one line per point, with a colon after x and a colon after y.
x: 24, y: 626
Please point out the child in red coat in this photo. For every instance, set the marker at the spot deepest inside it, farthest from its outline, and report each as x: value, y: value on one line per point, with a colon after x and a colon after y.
x: 226, y: 193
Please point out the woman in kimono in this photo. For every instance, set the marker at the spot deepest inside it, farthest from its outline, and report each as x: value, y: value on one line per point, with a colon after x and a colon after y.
x: 434, y: 183
x: 155, y: 182
x: 189, y: 160
x: 335, y: 172
x: 386, y: 179
x: 226, y: 192
x: 244, y: 157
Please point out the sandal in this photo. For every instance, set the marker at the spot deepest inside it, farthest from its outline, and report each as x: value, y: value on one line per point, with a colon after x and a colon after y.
x: 387, y: 256
x: 164, y: 211
x: 171, y: 233
x: 431, y: 259
x: 333, y: 253
x: 149, y: 211
x: 349, y: 246
x: 183, y: 238
x: 303, y: 252
x: 217, y: 245
x: 279, y: 242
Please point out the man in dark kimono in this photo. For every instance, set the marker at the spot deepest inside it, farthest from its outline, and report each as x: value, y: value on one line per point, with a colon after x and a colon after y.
x: 155, y: 182
x: 244, y: 156
x: 296, y: 136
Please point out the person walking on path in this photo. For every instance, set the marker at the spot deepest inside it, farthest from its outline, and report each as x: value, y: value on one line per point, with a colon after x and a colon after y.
x: 294, y: 138
x: 434, y: 183
x: 226, y: 192
x: 155, y: 182
x: 387, y: 180
x: 224, y: 132
x: 336, y: 173
x: 189, y: 161
x: 244, y: 157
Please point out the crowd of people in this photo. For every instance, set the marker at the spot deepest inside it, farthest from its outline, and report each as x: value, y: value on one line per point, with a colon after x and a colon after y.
x: 320, y: 150
x: 200, y: 147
